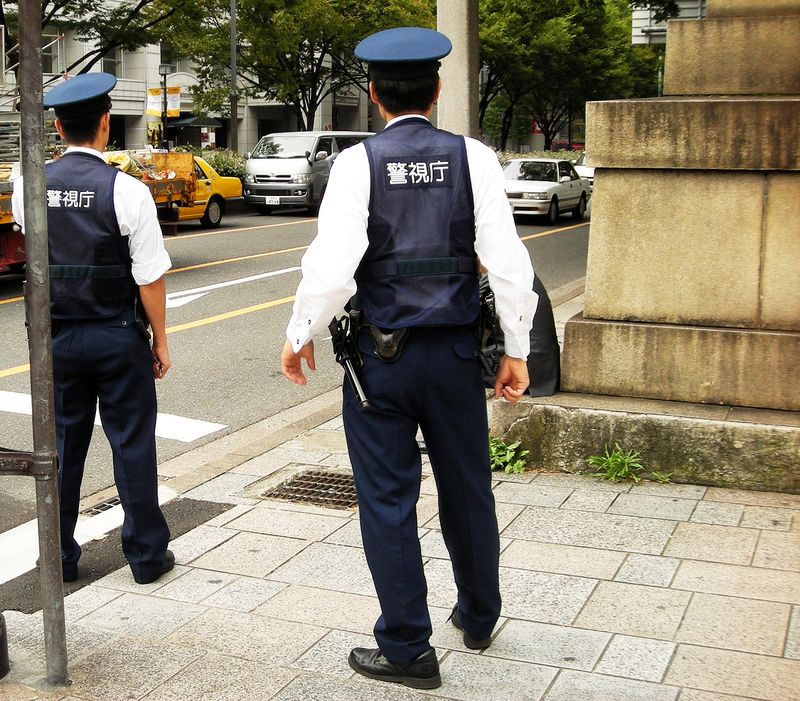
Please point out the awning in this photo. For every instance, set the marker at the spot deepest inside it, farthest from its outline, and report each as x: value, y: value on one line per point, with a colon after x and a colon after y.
x: 195, y: 121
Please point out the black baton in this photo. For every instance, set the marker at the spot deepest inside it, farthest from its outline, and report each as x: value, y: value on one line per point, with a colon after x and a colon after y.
x: 345, y: 349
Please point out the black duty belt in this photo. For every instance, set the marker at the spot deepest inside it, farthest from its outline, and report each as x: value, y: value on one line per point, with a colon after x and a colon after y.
x: 89, y: 271
x: 422, y: 266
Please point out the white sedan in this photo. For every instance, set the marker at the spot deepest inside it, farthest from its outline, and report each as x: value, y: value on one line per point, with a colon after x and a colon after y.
x: 545, y: 186
x: 583, y: 169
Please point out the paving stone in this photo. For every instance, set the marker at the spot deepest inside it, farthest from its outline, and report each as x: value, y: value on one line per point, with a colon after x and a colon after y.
x: 649, y: 612
x: 636, y: 658
x: 244, y: 594
x: 700, y: 541
x: 637, y: 504
x: 329, y: 655
x: 326, y: 566
x: 308, y: 457
x: 591, y: 530
x: 563, y: 480
x: 270, y: 519
x: 480, y: 678
x: 331, y: 609
x: 228, y: 516
x: 428, y: 486
x: 727, y: 672
x: 734, y: 580
x: 148, y: 616
x: 336, y: 424
x: 718, y: 513
x: 579, y: 686
x: 117, y: 671
x: 225, y: 489
x: 541, y: 596
x: 86, y: 600
x: 556, y: 646
x: 427, y: 509
x: 216, y: 677
x: 505, y: 513
x: 562, y: 559
x: 531, y: 494
x: 12, y: 691
x: 792, y: 650
x: 318, y: 441
x: 441, y: 584
x: 261, y: 465
x: 197, y: 542
x: 250, y: 554
x: 767, y: 518
x: 743, y: 496
x: 519, y: 477
x: 246, y: 635
x: 735, y: 624
x: 122, y: 580
x: 697, y: 695
x: 589, y: 500
x: 681, y: 491
x: 446, y: 636
x: 650, y: 570
x: 195, y: 585
x: 311, y: 687
x: 432, y: 544
x: 780, y: 551
x: 349, y: 535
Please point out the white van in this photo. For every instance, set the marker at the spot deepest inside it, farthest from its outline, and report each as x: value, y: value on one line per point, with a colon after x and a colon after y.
x: 290, y: 169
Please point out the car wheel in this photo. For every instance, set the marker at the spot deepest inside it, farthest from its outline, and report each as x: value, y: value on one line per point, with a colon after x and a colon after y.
x: 263, y: 210
x: 552, y: 212
x: 580, y: 208
x: 213, y: 215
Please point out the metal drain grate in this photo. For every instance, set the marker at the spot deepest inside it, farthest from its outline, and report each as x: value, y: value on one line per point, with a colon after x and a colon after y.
x: 332, y: 489
x: 103, y: 506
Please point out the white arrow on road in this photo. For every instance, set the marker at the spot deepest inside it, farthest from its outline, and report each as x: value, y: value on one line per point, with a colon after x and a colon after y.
x: 177, y: 428
x: 178, y: 299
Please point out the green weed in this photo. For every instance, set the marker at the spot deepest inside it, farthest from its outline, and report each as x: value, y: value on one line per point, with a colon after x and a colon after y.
x: 617, y: 465
x: 506, y: 457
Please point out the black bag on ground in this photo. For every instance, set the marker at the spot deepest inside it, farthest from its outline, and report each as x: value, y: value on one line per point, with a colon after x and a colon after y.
x: 544, y: 361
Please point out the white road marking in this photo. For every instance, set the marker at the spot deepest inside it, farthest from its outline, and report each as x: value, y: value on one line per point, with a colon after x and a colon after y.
x: 19, y: 547
x: 178, y: 299
x: 176, y: 428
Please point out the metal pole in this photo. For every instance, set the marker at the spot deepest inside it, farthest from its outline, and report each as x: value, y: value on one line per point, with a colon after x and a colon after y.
x: 37, y: 310
x: 164, y: 142
x: 234, y: 128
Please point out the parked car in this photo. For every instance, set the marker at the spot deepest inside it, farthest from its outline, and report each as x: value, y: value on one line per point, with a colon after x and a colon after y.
x: 291, y: 169
x: 583, y: 169
x: 211, y: 193
x: 545, y: 186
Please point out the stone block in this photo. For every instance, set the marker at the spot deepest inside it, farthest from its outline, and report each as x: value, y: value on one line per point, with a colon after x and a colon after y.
x: 244, y: 594
x: 701, y: 541
x: 250, y: 554
x: 739, y: 673
x: 744, y: 367
x: 780, y: 551
x: 737, y: 580
x: 571, y: 686
x: 780, y: 282
x: 748, y: 8
x: 563, y: 430
x: 733, y: 56
x: 720, y: 133
x: 735, y: 624
x: 673, y: 509
x: 650, y: 570
x: 562, y: 559
x: 636, y: 658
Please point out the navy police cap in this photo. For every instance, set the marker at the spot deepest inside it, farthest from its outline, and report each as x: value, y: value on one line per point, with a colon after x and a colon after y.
x: 81, y: 96
x: 404, y: 52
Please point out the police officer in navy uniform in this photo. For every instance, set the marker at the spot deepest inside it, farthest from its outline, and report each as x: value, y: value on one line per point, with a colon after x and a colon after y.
x: 107, y: 261
x: 405, y: 214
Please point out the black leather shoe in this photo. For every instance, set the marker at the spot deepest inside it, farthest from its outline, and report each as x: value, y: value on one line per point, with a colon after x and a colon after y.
x: 169, y: 563
x: 469, y: 641
x: 421, y: 673
x: 69, y: 571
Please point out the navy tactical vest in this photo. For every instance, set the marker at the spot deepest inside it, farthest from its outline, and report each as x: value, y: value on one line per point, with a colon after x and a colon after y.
x: 90, y: 263
x: 420, y: 266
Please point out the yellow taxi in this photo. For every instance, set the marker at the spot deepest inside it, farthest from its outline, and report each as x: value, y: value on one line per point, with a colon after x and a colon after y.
x: 211, y: 192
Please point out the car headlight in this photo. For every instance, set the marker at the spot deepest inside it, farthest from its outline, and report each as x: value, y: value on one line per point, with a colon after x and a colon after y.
x: 302, y: 178
x: 249, y: 178
x: 535, y: 196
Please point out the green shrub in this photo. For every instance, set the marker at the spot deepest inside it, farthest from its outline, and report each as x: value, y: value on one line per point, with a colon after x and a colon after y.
x: 225, y: 161
x: 506, y: 457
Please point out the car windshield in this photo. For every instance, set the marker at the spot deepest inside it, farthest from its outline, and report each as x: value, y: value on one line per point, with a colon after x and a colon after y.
x: 582, y: 160
x: 531, y: 170
x: 294, y: 146
x: 347, y: 141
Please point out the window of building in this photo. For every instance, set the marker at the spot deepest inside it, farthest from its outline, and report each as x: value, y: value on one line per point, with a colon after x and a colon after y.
x: 112, y: 62
x: 51, y: 48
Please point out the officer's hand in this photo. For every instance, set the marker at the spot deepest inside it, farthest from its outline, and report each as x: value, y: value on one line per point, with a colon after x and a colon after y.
x: 161, y: 362
x: 290, y: 362
x: 512, y: 379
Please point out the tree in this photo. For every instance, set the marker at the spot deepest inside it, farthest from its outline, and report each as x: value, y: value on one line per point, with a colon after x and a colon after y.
x: 662, y: 9
x: 295, y: 51
x: 106, y: 24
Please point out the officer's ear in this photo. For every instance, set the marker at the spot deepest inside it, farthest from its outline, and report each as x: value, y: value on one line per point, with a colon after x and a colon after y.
x: 438, y: 91
x: 59, y: 128
x: 372, y: 96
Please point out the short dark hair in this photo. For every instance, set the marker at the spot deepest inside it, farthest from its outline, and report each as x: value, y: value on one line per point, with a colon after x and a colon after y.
x: 398, y: 96
x: 82, y: 130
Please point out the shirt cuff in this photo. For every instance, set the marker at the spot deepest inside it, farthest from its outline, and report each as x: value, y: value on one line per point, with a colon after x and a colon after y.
x: 152, y: 270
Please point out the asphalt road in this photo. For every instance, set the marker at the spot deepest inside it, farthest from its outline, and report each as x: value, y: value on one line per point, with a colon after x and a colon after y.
x: 231, y: 291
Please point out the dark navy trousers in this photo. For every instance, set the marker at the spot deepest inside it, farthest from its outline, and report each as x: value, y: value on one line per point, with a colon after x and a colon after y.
x: 109, y: 360
x: 436, y: 384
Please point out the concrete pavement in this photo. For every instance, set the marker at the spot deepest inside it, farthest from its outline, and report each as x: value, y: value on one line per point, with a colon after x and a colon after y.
x: 611, y: 592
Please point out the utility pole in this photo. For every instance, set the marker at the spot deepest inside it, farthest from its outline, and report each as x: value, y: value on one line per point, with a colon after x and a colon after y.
x: 234, y: 121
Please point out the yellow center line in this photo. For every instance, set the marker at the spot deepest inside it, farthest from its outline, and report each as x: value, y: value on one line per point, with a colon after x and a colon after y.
x: 234, y: 260
x: 553, y: 231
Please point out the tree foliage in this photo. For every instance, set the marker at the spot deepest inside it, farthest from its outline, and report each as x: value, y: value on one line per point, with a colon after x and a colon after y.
x: 662, y: 9
x: 294, y: 51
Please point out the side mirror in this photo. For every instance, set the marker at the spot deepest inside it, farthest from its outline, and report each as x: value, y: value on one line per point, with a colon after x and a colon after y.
x: 321, y: 156
x: 308, y: 156
x: 565, y: 179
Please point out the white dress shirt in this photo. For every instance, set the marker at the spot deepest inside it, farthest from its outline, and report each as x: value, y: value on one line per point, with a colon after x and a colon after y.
x: 330, y: 263
x: 137, y: 219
